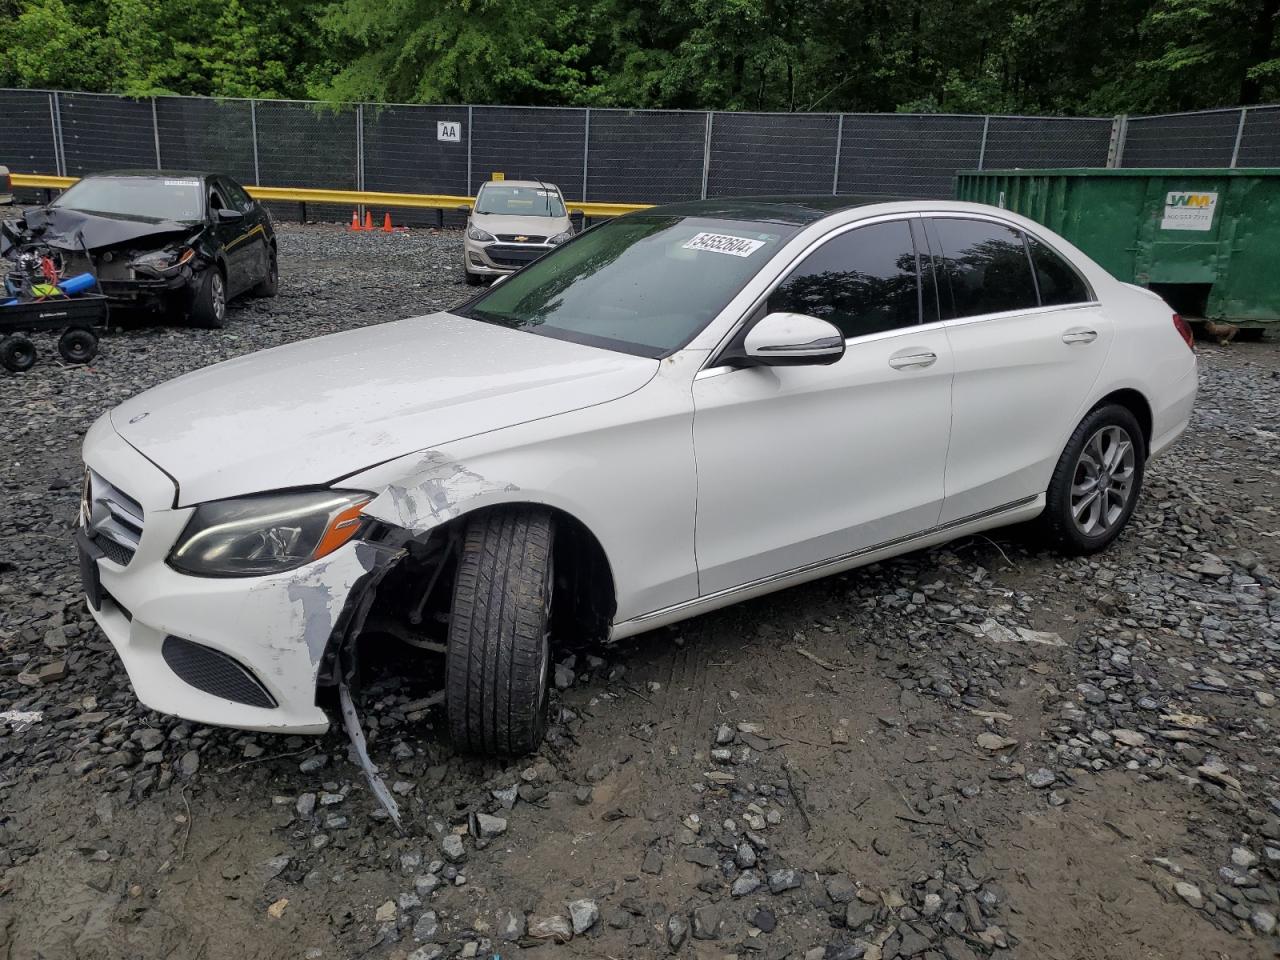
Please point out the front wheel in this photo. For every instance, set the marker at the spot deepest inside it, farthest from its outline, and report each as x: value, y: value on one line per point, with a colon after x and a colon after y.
x: 1095, y: 485
x: 473, y: 279
x: 17, y: 354
x: 209, y: 304
x: 499, y: 652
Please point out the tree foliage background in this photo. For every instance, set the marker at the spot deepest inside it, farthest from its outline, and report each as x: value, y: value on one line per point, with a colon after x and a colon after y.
x: 1024, y: 56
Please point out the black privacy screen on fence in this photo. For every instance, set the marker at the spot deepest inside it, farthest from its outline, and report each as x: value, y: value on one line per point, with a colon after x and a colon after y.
x: 623, y: 156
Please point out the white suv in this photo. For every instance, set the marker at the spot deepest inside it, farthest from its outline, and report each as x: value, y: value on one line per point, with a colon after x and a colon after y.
x: 677, y: 410
x: 514, y: 222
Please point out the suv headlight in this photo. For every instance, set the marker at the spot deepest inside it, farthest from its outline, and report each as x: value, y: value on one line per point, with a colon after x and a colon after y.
x: 562, y: 237
x: 480, y: 236
x: 268, y: 533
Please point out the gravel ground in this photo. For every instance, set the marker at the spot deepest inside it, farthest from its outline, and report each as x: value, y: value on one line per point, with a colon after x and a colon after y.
x: 980, y: 750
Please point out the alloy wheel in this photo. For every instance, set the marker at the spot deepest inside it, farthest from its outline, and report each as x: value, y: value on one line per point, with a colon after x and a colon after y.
x: 1103, y: 482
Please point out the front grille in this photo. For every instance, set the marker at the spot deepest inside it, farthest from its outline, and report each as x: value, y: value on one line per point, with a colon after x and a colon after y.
x: 214, y: 672
x: 113, y: 519
x: 520, y: 238
x: 514, y: 256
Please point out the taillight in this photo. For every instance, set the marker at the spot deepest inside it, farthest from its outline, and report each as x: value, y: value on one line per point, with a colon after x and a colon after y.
x: 1184, y: 331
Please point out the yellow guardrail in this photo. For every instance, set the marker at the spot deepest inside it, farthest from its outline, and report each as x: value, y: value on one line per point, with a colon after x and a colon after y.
x: 368, y: 198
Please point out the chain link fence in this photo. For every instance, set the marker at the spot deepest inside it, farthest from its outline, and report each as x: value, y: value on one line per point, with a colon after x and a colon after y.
x: 627, y: 156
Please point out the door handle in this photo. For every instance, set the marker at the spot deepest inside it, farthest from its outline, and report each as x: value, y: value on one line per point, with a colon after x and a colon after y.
x: 913, y: 360
x: 1080, y: 336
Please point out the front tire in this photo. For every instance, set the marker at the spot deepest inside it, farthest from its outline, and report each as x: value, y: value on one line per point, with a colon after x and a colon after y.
x: 209, y: 305
x: 1096, y: 483
x: 499, y: 652
x: 473, y: 279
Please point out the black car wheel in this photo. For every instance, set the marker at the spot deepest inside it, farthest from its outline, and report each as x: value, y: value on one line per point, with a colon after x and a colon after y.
x: 209, y: 305
x: 17, y: 354
x: 78, y: 345
x: 473, y: 279
x: 499, y: 653
x: 270, y: 284
x: 1095, y: 486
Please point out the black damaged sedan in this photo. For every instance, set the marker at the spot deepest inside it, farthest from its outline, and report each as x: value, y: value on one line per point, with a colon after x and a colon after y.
x: 181, y: 243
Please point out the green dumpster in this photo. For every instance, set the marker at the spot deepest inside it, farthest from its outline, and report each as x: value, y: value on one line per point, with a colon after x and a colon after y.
x: 1207, y: 240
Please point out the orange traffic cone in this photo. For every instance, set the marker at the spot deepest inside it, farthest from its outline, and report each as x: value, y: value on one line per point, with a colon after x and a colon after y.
x: 355, y: 221
x: 386, y: 223
x: 368, y: 221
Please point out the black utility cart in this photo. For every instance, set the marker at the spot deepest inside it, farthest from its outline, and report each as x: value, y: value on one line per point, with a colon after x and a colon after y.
x: 79, y: 318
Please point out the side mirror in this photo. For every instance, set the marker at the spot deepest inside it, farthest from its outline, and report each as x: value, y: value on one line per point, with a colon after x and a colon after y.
x: 227, y: 215
x: 792, y: 340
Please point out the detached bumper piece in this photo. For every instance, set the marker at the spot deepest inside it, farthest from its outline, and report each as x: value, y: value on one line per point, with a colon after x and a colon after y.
x: 215, y: 673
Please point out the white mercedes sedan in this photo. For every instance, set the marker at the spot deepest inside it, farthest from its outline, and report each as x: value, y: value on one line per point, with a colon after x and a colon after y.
x: 671, y: 412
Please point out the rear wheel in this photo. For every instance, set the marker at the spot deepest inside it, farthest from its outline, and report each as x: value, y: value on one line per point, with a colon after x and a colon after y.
x: 269, y: 285
x: 209, y: 305
x: 499, y: 652
x: 1095, y: 485
x: 17, y: 354
x: 78, y: 345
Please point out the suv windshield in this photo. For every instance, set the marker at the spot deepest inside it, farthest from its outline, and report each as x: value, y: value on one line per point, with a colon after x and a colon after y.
x: 514, y: 201
x: 640, y: 284
x: 143, y: 198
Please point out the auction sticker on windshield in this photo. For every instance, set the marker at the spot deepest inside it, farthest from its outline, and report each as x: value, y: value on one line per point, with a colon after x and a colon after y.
x: 723, y: 243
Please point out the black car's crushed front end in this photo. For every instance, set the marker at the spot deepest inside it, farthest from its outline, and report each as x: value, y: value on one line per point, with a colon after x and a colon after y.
x: 137, y: 263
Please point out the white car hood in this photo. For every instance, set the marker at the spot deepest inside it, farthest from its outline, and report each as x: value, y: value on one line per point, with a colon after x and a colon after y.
x: 311, y: 412
x: 505, y: 223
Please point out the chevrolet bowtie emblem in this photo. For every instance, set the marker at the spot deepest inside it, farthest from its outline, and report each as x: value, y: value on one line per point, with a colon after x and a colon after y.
x: 521, y: 239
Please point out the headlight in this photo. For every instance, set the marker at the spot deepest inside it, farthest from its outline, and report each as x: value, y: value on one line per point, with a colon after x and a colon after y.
x: 269, y: 533
x: 162, y: 262
x: 480, y: 236
x: 562, y: 237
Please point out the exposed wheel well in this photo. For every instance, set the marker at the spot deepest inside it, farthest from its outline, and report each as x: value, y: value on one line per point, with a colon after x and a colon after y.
x: 411, y: 598
x: 1135, y: 403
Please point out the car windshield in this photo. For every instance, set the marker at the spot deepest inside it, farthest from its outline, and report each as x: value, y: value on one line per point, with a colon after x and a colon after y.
x: 513, y: 201
x: 641, y: 284
x: 144, y: 198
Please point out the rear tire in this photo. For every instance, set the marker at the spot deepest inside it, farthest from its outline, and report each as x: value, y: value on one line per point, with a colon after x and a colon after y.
x: 269, y: 285
x: 1097, y: 481
x: 209, y: 305
x: 78, y: 345
x: 17, y: 354
x: 499, y: 655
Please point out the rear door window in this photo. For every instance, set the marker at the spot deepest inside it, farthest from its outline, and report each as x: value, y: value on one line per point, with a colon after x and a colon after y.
x: 863, y: 281
x: 1058, y: 281
x: 983, y: 266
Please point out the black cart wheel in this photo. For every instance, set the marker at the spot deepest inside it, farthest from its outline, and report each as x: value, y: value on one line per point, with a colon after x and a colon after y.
x: 499, y: 654
x: 78, y: 345
x: 17, y: 354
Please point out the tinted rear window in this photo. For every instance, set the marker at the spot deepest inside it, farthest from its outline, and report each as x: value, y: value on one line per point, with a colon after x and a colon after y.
x: 984, y: 266
x: 1059, y: 283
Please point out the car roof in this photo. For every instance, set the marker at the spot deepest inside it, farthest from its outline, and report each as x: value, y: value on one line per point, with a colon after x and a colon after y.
x: 536, y: 184
x: 156, y: 174
x: 799, y: 211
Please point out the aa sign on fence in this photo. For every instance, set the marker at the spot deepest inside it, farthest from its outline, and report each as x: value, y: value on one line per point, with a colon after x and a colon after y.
x: 1188, y: 211
x: 449, y: 131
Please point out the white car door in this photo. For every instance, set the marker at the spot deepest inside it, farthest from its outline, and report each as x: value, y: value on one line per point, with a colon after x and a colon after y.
x: 1029, y: 341
x: 803, y: 464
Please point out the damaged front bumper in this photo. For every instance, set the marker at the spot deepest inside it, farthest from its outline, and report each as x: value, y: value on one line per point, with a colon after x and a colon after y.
x: 236, y: 652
